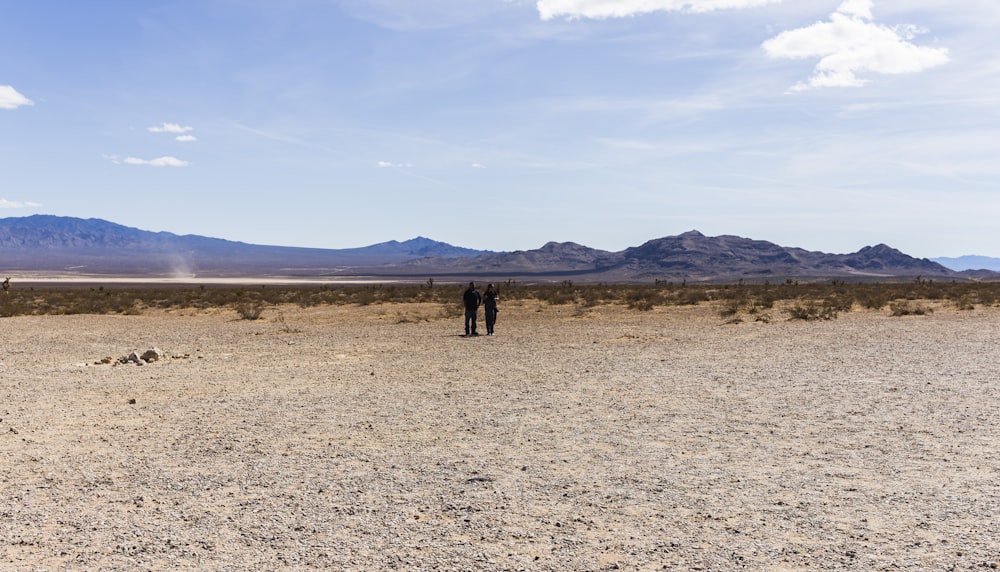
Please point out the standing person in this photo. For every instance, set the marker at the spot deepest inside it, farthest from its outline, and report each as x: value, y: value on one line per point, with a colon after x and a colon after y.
x: 472, y: 300
x: 490, y: 298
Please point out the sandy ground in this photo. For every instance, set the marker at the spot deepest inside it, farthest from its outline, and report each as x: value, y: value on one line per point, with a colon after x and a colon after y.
x: 377, y: 438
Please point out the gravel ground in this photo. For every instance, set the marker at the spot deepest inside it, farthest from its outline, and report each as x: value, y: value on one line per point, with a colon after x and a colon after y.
x: 378, y: 438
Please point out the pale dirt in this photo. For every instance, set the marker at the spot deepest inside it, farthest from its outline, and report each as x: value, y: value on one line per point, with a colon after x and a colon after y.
x: 377, y: 438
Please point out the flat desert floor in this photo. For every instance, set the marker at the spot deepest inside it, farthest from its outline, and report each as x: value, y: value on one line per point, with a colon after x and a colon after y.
x: 378, y: 438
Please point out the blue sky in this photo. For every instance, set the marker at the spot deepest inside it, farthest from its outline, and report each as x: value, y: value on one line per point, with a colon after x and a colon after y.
x: 503, y: 124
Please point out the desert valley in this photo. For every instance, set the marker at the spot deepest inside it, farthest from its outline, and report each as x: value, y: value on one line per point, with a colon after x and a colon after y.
x: 583, y: 436
x: 745, y: 251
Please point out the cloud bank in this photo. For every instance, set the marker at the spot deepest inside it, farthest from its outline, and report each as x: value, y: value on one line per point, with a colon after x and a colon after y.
x: 847, y: 45
x: 597, y: 9
x: 851, y: 43
x: 10, y: 98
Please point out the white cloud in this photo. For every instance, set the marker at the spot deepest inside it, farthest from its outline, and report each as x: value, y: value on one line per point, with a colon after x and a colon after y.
x: 5, y: 204
x: 186, y: 138
x: 859, y: 8
x: 549, y: 9
x: 10, y: 98
x: 388, y: 165
x: 478, y: 166
x: 850, y: 43
x: 169, y: 128
x: 158, y: 162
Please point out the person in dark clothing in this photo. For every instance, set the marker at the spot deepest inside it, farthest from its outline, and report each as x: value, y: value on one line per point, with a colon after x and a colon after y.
x: 490, y: 307
x: 472, y: 299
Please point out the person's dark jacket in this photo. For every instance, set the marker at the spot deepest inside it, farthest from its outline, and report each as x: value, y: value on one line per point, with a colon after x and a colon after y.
x: 472, y: 299
x: 490, y: 299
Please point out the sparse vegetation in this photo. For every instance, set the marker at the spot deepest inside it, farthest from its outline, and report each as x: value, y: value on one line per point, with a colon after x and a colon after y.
x: 810, y: 311
x: 742, y: 301
x: 249, y: 310
x: 964, y: 302
x: 908, y: 308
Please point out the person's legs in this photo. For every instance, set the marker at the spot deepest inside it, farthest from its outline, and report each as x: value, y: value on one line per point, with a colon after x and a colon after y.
x: 469, y: 320
x: 491, y: 319
x: 474, y: 316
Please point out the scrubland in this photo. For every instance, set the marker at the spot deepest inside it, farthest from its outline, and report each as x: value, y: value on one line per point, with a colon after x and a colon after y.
x: 604, y: 427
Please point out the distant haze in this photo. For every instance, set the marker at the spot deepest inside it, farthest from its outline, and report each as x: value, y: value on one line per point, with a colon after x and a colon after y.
x: 970, y: 262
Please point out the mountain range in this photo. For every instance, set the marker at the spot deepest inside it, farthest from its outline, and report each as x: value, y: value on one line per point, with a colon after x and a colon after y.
x: 969, y: 262
x: 46, y: 244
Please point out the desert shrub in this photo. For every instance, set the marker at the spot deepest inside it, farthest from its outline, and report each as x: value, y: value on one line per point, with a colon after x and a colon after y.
x: 562, y: 294
x: 366, y: 296
x: 840, y: 302
x: 729, y: 309
x: 749, y: 299
x: 908, y: 308
x: 874, y: 301
x: 691, y: 296
x: 641, y: 304
x: 560, y: 297
x: 931, y: 291
x: 249, y: 310
x: 988, y: 293
x: 765, y: 300
x: 811, y: 311
x: 964, y: 302
x: 594, y: 298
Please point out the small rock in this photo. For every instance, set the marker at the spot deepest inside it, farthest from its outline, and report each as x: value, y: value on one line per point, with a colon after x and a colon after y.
x: 152, y: 354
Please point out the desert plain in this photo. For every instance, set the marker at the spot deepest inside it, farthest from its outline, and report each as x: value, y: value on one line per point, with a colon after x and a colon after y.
x: 600, y: 438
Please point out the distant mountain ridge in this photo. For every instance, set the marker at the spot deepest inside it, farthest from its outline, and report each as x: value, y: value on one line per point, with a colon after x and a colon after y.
x: 48, y: 232
x: 53, y: 243
x: 969, y: 262
x: 693, y: 256
x: 95, y: 247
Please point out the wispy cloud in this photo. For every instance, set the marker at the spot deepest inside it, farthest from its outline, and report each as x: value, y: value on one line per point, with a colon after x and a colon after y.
x: 186, y: 138
x: 169, y: 128
x: 288, y: 139
x: 158, y: 162
x: 10, y: 98
x: 597, y: 9
x: 388, y: 165
x: 5, y: 204
x: 851, y: 43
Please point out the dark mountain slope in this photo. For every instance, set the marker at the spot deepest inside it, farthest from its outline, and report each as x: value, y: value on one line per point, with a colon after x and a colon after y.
x: 693, y: 256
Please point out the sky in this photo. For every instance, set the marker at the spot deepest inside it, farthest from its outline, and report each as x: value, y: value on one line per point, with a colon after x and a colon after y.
x: 506, y: 124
